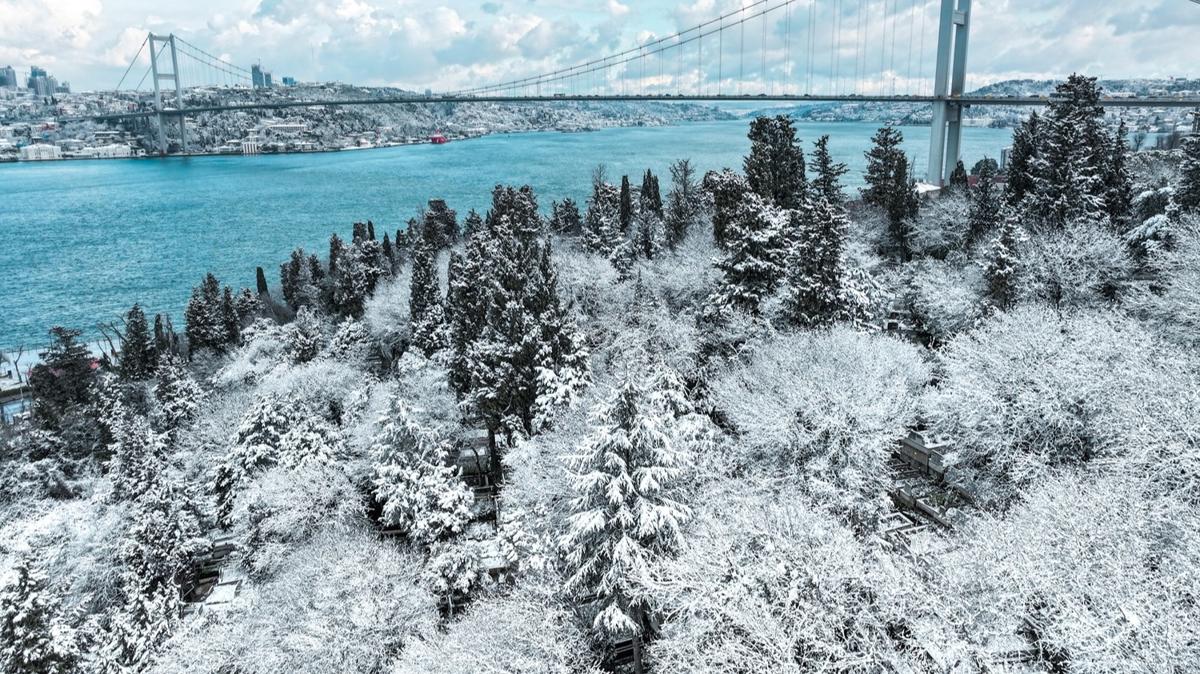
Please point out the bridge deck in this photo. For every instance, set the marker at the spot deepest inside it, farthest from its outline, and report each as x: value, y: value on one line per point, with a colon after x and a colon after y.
x: 1151, y: 102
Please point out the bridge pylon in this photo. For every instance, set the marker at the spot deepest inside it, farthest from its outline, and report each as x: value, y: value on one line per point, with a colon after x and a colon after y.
x: 945, y: 133
x: 160, y: 76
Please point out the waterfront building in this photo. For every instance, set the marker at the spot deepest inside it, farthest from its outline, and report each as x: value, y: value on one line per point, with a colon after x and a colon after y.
x: 8, y: 78
x: 40, y: 152
x: 250, y: 146
x: 113, y: 151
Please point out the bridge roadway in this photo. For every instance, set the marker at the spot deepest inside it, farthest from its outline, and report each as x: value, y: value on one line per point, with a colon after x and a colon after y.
x: 1130, y: 102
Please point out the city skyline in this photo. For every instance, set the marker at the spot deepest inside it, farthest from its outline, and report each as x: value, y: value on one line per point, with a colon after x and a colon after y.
x: 452, y: 44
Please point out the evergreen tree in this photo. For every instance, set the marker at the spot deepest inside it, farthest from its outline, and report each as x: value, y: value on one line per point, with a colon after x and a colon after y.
x: 827, y: 184
x: 164, y: 336
x: 421, y: 495
x: 649, y: 198
x: 260, y: 278
x: 959, y: 180
x: 158, y: 547
x: 205, y: 321
x: 27, y: 641
x: 883, y: 159
x: 178, y: 395
x: 727, y: 189
x: 682, y: 203
x: 336, y: 248
x: 138, y: 456
x: 389, y: 253
x: 775, y: 166
x: 64, y: 379
x: 137, y: 351
x: 1002, y: 264
x: 753, y: 262
x: 1187, y: 194
x: 471, y: 225
x: 247, y: 306
x: 820, y: 291
x: 1021, y: 178
x: 230, y: 320
x: 649, y: 233
x: 565, y: 218
x: 440, y: 224
x: 602, y: 225
x: 305, y: 336
x: 625, y: 213
x: 519, y: 206
x: 626, y: 514
x: 425, y: 302
x: 985, y: 206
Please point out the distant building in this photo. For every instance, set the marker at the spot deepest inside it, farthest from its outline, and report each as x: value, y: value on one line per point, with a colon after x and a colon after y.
x: 113, y: 151
x: 63, y: 88
x: 288, y: 81
x: 40, y: 152
x: 261, y: 79
x: 250, y: 146
x: 8, y: 77
x: 34, y: 73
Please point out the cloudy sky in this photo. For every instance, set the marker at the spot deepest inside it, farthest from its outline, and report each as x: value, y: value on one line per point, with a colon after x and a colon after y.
x: 449, y: 44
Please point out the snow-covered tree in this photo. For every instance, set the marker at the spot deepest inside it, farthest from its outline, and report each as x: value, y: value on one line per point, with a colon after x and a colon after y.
x: 1021, y: 179
x: 890, y: 187
x: 985, y: 207
x: 753, y: 263
x: 820, y: 288
x: 601, y: 225
x: 625, y: 206
x: 426, y: 313
x: 1002, y: 264
x: 827, y: 183
x: 29, y: 640
x: 649, y: 198
x: 421, y: 495
x: 306, y: 335
x: 138, y: 456
x: 137, y: 350
x: 775, y: 166
x: 627, y: 513
x: 726, y: 189
x: 565, y: 218
x: 205, y: 322
x: 683, y: 202
x: 959, y: 180
x: 1187, y: 194
x: 178, y: 395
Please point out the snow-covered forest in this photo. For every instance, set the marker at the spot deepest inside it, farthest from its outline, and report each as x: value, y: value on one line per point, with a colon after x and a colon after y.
x: 745, y: 421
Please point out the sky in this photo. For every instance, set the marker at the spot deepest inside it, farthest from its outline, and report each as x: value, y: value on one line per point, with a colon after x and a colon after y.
x: 454, y: 44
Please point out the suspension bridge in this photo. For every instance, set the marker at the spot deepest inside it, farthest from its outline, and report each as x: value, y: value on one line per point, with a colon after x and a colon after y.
x: 801, y: 51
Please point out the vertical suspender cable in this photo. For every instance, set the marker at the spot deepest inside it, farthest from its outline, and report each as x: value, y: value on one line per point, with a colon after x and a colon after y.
x: 720, y: 55
x: 837, y: 47
x: 763, y: 51
x: 911, y: 16
x: 787, y: 50
x: 924, y: 13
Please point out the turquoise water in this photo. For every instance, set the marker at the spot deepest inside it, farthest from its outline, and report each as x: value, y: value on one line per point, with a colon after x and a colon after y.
x: 82, y: 241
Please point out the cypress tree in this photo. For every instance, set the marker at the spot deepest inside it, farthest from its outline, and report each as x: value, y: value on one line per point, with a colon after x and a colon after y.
x: 883, y: 159
x: 565, y: 218
x: 827, y: 184
x: 229, y: 318
x: 205, y: 322
x: 649, y: 198
x: 389, y: 253
x: 625, y: 214
x: 1118, y: 185
x: 426, y: 314
x: 471, y: 225
x: 816, y: 270
x: 260, y: 278
x: 336, y: 249
x: 682, y: 202
x: 162, y: 341
x: 775, y: 166
x: 137, y: 351
x: 602, y: 225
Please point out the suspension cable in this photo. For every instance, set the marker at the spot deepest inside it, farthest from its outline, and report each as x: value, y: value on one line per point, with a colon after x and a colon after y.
x: 132, y: 62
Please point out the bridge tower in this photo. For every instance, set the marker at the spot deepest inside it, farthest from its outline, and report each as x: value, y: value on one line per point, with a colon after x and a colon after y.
x: 173, y: 77
x: 950, y: 77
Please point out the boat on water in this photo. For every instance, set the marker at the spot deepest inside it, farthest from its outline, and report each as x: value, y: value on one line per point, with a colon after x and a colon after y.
x: 438, y: 139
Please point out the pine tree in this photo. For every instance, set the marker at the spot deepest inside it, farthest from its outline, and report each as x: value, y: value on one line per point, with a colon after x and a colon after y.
x: 421, y: 495
x: 985, y: 206
x: 727, y: 189
x: 260, y: 278
x: 820, y: 291
x: 305, y: 336
x: 164, y: 336
x: 138, y: 456
x: 1002, y: 264
x: 959, y: 180
x: 27, y: 642
x: 1187, y: 194
x: 827, y: 184
x: 1021, y: 179
x: 336, y: 248
x: 389, y: 253
x: 137, y: 351
x: 754, y: 256
x: 626, y: 514
x: 625, y: 212
x: 902, y: 208
x: 565, y: 218
x: 649, y: 233
x: 64, y: 379
x: 682, y: 203
x: 471, y: 225
x: 178, y: 395
x: 775, y: 166
x: 206, y: 328
x: 602, y: 225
